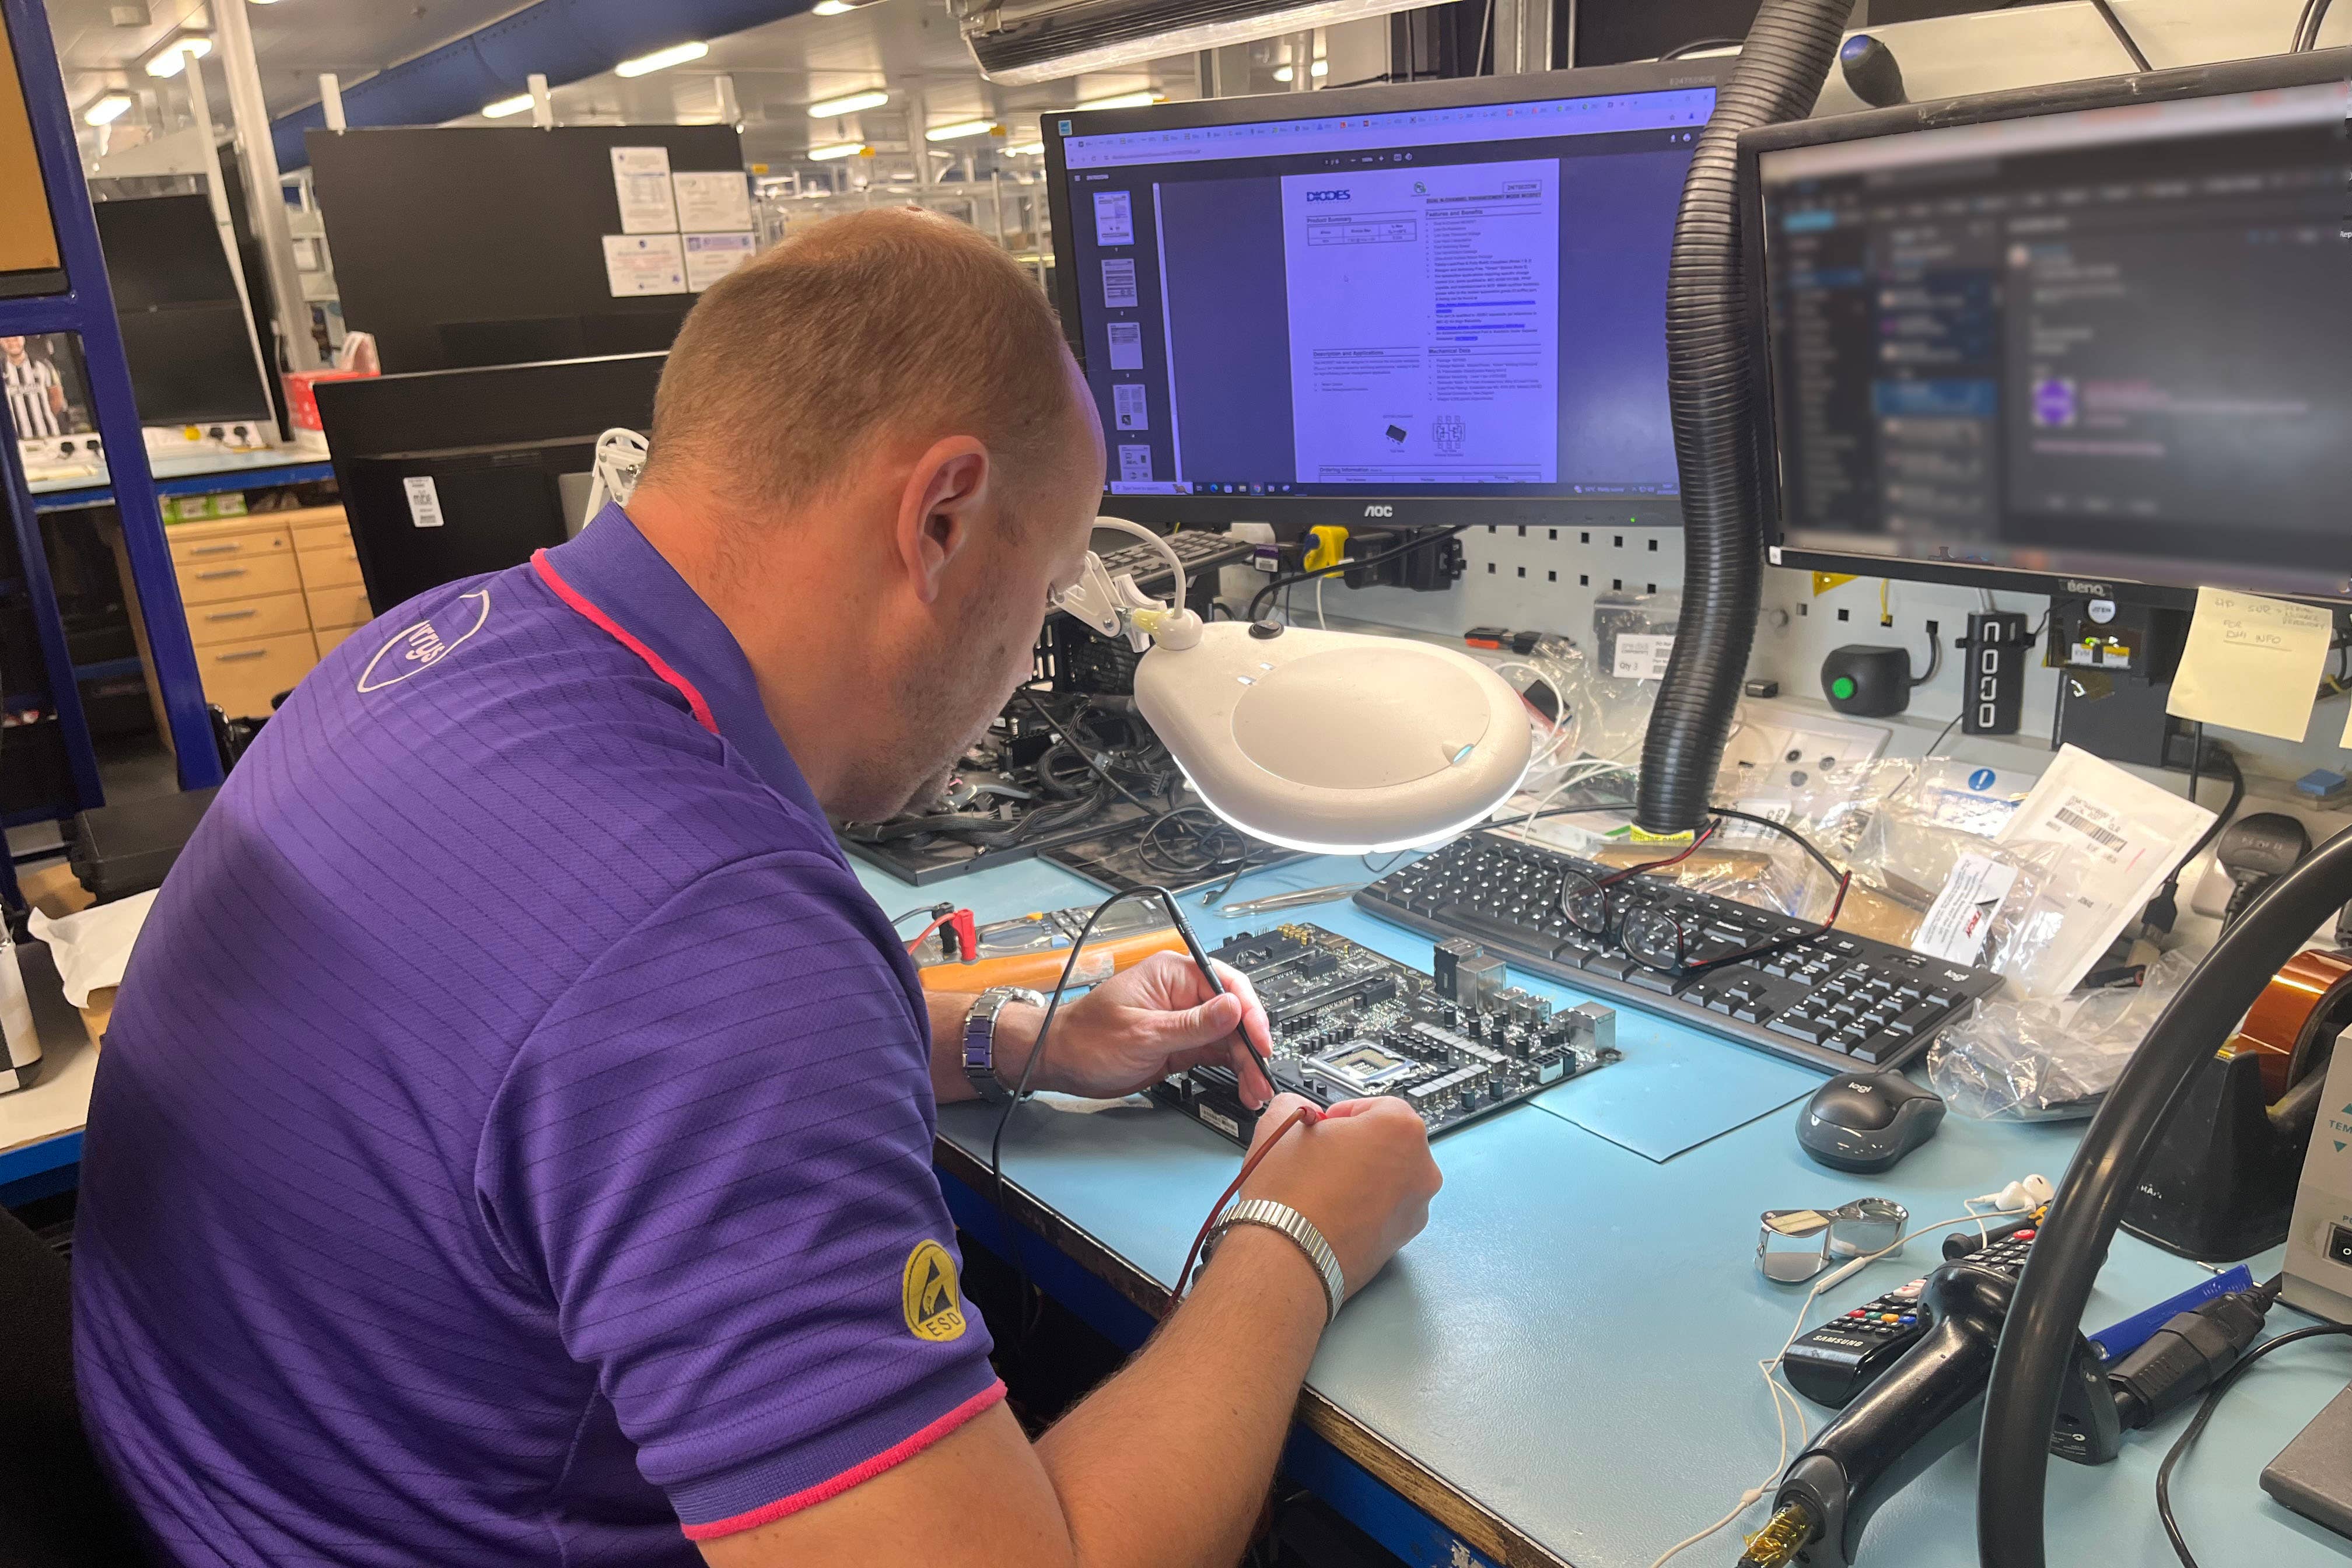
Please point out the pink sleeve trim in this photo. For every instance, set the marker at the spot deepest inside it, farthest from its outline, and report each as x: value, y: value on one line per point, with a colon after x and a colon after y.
x: 898, y: 1453
x: 580, y: 601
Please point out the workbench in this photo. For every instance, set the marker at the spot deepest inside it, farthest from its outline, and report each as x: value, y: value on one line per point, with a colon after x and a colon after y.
x: 1562, y: 1368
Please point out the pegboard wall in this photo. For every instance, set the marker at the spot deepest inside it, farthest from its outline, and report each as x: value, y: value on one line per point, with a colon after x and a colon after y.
x: 1541, y: 578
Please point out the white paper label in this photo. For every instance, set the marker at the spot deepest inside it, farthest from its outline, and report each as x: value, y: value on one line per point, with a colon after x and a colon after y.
x: 1959, y: 922
x: 1113, y: 218
x: 1119, y: 283
x: 641, y: 183
x: 708, y: 203
x: 710, y: 257
x: 638, y: 264
x: 423, y: 500
x: 1641, y: 656
x: 1135, y: 464
x: 1130, y: 410
x: 1125, y: 345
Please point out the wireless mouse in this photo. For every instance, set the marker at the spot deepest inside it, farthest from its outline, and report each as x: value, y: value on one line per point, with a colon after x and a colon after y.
x: 1867, y: 1122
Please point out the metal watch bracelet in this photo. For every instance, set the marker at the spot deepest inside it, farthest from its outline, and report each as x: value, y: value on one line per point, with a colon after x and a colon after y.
x: 980, y: 1039
x: 1299, y: 1229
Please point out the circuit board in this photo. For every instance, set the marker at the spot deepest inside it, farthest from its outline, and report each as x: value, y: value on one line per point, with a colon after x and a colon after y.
x: 1349, y: 1022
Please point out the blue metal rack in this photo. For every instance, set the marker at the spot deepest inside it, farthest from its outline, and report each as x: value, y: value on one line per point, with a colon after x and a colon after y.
x: 87, y: 310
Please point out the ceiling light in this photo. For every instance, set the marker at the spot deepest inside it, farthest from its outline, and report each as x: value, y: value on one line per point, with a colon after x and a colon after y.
x: 107, y: 109
x: 662, y: 60
x: 1037, y: 44
x: 958, y: 129
x: 1144, y: 99
x: 518, y: 104
x: 1320, y: 69
x: 837, y: 150
x: 832, y: 8
x: 174, y: 56
x: 831, y: 108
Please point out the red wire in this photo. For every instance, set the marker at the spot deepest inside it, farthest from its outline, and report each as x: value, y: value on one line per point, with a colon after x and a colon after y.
x: 1699, y: 838
x: 1303, y: 1114
x: 917, y: 940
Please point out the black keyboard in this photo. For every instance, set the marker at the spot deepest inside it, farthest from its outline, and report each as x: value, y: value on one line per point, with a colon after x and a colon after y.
x: 1835, y: 1001
x: 1200, y: 552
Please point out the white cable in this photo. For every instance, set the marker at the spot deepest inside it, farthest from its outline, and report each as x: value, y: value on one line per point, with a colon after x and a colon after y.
x: 1780, y: 1392
x: 1319, y: 601
x: 1175, y: 561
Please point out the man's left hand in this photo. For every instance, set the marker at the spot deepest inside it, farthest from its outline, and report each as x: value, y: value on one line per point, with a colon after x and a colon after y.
x: 1148, y: 1021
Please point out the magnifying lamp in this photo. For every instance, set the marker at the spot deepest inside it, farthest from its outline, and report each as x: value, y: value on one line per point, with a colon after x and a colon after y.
x: 1331, y: 742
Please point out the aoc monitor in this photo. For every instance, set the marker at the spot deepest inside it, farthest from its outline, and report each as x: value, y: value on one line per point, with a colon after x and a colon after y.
x: 1419, y: 303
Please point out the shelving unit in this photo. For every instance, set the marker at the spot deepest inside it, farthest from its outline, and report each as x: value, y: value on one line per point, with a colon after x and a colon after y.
x: 87, y: 310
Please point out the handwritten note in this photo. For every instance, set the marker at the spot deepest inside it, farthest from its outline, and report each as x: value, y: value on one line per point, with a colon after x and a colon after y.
x: 2251, y: 664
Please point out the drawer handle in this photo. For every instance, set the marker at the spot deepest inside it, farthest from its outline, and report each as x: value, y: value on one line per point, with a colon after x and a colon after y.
x: 242, y: 653
x: 229, y: 549
x: 232, y: 614
x: 226, y: 571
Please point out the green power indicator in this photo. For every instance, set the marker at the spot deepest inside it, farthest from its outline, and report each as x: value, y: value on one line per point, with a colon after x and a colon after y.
x: 1842, y: 688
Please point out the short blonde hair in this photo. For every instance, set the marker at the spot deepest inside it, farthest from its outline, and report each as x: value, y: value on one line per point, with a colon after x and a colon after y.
x: 891, y: 322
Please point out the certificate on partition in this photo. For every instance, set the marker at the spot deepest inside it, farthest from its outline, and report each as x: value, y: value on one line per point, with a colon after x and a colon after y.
x: 710, y: 257
x: 707, y: 203
x: 638, y: 264
x: 641, y: 181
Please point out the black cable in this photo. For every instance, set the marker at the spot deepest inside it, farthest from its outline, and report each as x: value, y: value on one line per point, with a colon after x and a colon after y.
x: 1037, y: 1055
x: 1934, y: 659
x: 2114, y: 24
x: 910, y: 914
x: 2189, y: 1434
x: 1088, y: 757
x: 1284, y: 580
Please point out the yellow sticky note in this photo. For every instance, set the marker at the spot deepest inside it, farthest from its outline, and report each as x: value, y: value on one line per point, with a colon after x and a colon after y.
x: 2251, y: 664
x: 1824, y: 581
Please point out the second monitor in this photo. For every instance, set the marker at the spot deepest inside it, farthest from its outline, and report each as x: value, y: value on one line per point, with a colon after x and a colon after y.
x: 1398, y: 300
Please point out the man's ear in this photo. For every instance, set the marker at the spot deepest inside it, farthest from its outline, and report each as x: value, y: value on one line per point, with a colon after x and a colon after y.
x: 946, y: 495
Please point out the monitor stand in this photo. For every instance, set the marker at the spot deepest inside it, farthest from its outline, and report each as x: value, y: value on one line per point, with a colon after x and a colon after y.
x: 2116, y: 664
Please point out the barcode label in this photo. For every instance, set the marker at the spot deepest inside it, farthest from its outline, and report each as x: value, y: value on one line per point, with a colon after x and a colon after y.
x: 2113, y: 842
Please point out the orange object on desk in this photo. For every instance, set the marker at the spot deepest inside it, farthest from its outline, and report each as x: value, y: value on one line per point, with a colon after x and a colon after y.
x: 1042, y: 970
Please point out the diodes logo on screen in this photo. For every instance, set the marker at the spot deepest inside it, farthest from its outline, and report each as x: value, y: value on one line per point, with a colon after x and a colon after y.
x: 1333, y: 195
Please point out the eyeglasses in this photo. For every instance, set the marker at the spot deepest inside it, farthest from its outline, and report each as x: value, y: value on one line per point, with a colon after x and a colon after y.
x: 1657, y: 937
x: 1585, y: 901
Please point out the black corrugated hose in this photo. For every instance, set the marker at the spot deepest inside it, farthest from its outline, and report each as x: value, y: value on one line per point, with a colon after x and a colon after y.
x: 2038, y: 1335
x: 1718, y: 441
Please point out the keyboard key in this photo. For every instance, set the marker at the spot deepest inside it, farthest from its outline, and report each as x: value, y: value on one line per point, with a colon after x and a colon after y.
x: 1812, y: 1031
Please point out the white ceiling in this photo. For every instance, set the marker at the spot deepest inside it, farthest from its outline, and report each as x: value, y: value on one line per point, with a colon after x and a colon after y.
x: 911, y: 46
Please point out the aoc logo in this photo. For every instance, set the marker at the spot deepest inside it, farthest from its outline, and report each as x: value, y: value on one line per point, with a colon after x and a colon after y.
x: 1379, y: 512
x: 1340, y: 195
x: 926, y: 1294
x: 428, y: 643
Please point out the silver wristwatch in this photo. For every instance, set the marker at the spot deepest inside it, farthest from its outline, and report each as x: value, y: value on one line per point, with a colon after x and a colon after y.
x: 1300, y: 1229
x: 980, y: 1039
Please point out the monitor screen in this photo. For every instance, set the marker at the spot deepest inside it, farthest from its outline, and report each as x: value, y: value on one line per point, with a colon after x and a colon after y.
x: 1389, y: 295
x: 2104, y: 345
x: 192, y: 364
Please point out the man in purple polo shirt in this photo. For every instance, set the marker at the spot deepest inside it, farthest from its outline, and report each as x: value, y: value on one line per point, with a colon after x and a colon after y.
x: 513, y: 1141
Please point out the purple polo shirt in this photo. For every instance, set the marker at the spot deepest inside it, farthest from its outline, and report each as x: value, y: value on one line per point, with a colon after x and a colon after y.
x: 513, y: 1140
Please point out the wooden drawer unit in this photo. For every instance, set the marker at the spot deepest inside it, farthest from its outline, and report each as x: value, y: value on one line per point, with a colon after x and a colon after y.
x: 212, y: 581
x: 243, y: 620
x: 239, y: 539
x: 322, y: 541
x: 335, y: 609
x: 331, y: 638
x: 242, y: 677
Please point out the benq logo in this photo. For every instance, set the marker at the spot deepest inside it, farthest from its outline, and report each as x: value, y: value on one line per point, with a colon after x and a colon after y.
x: 1379, y: 512
x: 2097, y: 590
x: 1336, y: 195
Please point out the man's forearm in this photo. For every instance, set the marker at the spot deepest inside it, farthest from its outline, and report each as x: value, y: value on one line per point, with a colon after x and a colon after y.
x: 1166, y: 1465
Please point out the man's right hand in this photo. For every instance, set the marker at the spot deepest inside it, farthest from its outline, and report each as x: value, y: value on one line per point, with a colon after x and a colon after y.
x: 1362, y: 1174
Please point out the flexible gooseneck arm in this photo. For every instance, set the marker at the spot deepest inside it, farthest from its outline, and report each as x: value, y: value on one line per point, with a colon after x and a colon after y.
x: 2035, y: 1344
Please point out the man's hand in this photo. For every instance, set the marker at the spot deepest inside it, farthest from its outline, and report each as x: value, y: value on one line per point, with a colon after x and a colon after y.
x: 1139, y: 1025
x: 1363, y: 1175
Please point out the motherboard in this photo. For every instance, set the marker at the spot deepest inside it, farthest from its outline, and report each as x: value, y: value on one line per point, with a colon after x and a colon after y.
x: 1346, y: 1022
